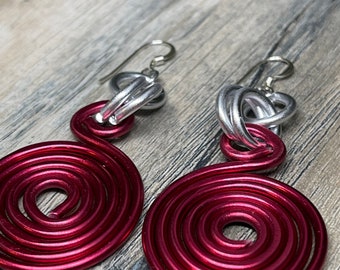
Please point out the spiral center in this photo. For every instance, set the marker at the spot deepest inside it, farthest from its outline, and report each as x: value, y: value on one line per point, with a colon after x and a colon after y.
x: 49, y: 200
x: 240, y: 231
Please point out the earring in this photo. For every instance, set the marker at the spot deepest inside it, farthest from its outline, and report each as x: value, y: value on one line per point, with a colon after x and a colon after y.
x: 104, y: 189
x: 183, y: 228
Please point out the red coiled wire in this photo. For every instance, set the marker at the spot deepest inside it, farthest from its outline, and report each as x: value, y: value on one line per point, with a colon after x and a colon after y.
x: 104, y: 198
x: 184, y: 227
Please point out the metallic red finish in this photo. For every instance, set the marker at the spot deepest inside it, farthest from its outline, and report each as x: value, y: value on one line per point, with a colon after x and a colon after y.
x: 84, y: 116
x: 184, y: 226
x: 104, y: 199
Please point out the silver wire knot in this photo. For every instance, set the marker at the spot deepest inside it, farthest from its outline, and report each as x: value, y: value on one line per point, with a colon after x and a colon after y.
x: 140, y: 91
x: 121, y: 79
x: 134, y: 90
x: 237, y: 105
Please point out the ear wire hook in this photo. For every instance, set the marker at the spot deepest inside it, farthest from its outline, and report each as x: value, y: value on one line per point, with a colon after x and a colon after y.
x: 268, y: 82
x: 155, y: 62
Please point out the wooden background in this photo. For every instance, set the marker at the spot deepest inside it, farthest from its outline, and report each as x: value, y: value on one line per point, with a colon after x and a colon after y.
x: 53, y: 52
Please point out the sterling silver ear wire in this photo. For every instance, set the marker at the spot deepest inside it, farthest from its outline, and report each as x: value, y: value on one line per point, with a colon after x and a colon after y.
x: 236, y: 103
x: 135, y: 90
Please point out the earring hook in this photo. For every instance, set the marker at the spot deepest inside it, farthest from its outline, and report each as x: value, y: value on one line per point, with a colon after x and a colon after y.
x: 155, y: 62
x: 267, y: 84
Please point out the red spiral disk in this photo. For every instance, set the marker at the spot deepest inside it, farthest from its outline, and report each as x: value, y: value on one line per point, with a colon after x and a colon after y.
x: 184, y: 227
x: 103, y: 204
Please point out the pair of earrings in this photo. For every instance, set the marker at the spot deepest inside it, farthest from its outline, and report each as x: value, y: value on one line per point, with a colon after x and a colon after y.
x: 184, y: 227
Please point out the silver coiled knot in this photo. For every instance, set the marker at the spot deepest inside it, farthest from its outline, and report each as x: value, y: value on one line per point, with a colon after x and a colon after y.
x: 237, y: 105
x: 121, y: 79
x: 132, y: 91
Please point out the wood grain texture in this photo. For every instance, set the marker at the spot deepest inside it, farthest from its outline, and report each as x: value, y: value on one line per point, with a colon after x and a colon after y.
x: 53, y: 52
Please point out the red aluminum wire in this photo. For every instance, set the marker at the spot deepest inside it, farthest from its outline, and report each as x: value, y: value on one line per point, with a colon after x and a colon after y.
x: 184, y: 227
x: 104, y: 198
